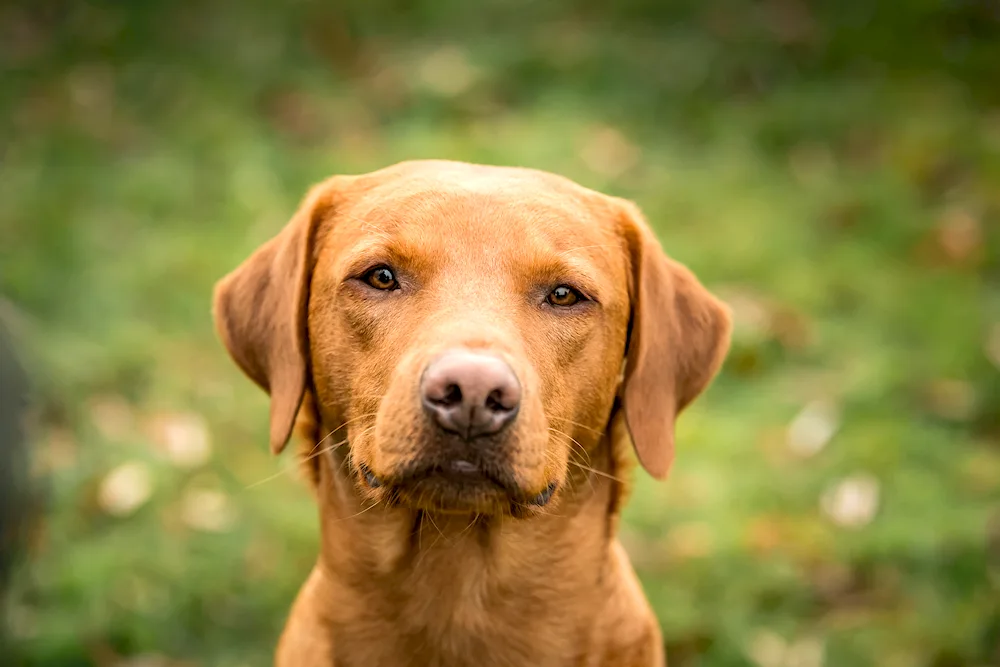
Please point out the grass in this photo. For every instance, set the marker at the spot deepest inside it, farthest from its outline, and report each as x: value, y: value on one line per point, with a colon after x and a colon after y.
x: 835, y: 185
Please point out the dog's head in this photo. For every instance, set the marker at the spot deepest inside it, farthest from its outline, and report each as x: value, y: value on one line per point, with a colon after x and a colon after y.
x: 465, y: 328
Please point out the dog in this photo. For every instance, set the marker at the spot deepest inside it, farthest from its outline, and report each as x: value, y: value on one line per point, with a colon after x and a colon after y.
x: 470, y: 350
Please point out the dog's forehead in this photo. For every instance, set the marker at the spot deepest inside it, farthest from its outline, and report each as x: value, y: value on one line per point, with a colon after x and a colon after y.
x: 444, y: 175
x: 458, y: 204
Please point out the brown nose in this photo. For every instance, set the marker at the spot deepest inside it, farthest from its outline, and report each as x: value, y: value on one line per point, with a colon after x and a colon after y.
x: 470, y: 393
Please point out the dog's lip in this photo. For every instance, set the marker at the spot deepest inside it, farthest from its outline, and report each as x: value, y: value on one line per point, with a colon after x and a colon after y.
x: 462, y: 473
x: 543, y: 498
x: 459, y: 472
x: 371, y: 478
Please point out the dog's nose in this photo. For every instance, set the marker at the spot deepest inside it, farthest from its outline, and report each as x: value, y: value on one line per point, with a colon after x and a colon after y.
x: 470, y: 393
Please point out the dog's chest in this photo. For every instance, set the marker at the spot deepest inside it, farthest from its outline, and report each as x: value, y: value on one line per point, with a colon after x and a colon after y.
x: 464, y: 634
x: 453, y: 610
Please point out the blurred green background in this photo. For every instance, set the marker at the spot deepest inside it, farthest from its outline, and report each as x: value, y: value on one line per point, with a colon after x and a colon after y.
x: 832, y: 169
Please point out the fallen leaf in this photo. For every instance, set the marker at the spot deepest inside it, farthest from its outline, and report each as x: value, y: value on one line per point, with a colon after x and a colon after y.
x: 58, y: 451
x: 125, y: 489
x: 960, y: 235
x: 745, y: 361
x: 608, y: 152
x: 138, y: 594
x: 690, y: 489
x: 182, y: 438
x: 791, y: 328
x: 951, y: 399
x: 295, y: 114
x: 765, y: 534
x: 992, y: 345
x: 767, y: 649
x: 91, y: 87
x: 112, y: 416
x: 981, y: 470
x: 149, y: 660
x: 389, y: 85
x: 262, y: 557
x: 853, y: 501
x: 807, y: 652
x: 758, y: 318
x: 790, y: 21
x: 751, y: 313
x: 832, y: 579
x: 207, y: 510
x: 448, y: 71
x: 564, y: 43
x: 690, y: 540
x: 812, y: 429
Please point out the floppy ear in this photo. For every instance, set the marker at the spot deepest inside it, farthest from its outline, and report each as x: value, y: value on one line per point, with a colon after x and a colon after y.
x: 260, y: 312
x: 678, y: 337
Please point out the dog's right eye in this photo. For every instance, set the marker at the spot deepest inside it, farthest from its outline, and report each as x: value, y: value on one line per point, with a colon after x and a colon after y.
x: 382, y: 278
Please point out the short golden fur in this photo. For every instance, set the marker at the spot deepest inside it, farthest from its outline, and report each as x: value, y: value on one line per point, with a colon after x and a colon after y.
x: 430, y: 572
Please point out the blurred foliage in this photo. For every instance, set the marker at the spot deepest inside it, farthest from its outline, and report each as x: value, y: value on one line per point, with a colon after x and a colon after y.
x: 831, y: 168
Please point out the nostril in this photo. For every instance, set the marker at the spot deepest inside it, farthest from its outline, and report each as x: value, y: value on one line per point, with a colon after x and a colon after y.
x: 495, y: 402
x: 452, y: 395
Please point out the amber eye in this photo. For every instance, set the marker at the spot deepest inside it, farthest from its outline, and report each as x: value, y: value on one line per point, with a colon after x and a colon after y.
x: 563, y: 296
x: 382, y: 277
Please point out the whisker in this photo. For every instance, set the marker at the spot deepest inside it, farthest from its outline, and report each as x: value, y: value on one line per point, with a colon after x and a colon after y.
x: 269, y: 478
x: 303, y: 460
x: 553, y: 458
x: 334, y: 446
x: 431, y: 519
x: 538, y: 510
x: 440, y: 534
x: 596, y: 472
x: 359, y: 513
x: 329, y: 448
x: 314, y: 452
x: 572, y: 441
x: 346, y: 423
x: 579, y: 425
x: 466, y: 529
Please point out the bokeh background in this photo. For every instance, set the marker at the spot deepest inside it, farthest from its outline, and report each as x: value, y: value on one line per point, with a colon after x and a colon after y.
x: 832, y: 169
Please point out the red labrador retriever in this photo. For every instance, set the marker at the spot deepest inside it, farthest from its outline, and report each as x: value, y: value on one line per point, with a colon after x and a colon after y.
x: 469, y: 351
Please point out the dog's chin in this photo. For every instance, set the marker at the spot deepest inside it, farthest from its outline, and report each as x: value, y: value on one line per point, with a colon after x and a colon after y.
x: 436, y: 493
x: 461, y: 488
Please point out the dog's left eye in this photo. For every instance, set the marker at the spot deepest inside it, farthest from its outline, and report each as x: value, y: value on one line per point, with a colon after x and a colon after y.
x: 382, y: 278
x: 564, y: 296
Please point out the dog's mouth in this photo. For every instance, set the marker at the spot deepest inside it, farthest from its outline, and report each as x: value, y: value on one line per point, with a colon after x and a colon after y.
x: 459, y: 486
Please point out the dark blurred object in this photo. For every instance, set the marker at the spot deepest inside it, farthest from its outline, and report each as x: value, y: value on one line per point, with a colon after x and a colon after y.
x: 14, y: 487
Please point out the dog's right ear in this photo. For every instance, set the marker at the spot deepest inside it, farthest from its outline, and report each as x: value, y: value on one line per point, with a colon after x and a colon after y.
x: 679, y: 336
x: 260, y: 311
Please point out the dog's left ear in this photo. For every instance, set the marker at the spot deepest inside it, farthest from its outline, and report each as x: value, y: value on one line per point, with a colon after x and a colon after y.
x: 260, y: 311
x: 678, y: 337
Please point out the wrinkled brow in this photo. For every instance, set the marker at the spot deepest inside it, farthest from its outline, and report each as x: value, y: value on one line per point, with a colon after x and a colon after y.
x: 398, y: 252
x: 559, y: 268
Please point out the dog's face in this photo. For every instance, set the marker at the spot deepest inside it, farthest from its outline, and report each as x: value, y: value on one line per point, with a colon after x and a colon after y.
x: 465, y: 328
x: 468, y: 328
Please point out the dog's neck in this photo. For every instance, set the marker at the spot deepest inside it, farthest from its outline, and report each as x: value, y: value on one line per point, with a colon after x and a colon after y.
x: 395, y: 562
